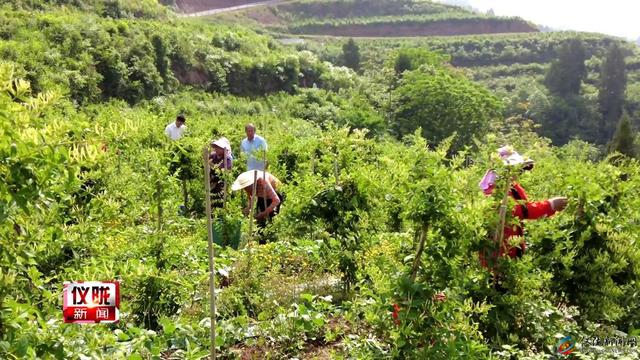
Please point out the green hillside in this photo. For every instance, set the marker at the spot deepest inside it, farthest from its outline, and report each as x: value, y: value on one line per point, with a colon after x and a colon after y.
x: 500, y: 61
x: 508, y: 55
x: 381, y: 18
x: 514, y: 67
x: 133, y: 60
x: 147, y: 9
x: 375, y: 252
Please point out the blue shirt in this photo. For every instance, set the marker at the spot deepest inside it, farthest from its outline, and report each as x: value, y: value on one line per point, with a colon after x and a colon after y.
x: 254, y: 150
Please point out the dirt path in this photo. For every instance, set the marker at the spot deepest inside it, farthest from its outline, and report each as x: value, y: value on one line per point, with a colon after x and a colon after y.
x: 232, y: 8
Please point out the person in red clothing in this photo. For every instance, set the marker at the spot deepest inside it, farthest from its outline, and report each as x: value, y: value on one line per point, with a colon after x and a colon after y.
x: 523, y: 210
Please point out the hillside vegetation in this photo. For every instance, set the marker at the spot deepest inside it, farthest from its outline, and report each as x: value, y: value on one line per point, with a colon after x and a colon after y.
x: 514, y: 67
x: 507, y: 55
x: 193, y: 6
x: 375, y: 252
x: 382, y: 18
x: 116, y: 57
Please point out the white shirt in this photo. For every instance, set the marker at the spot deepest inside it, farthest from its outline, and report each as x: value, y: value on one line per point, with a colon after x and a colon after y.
x: 174, y: 132
x: 254, y: 150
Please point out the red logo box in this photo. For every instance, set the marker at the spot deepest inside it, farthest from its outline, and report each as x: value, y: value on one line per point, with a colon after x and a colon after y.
x: 93, y: 302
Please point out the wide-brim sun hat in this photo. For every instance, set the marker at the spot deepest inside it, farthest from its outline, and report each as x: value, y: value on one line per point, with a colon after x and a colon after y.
x: 246, y: 179
x: 510, y: 157
x: 222, y: 143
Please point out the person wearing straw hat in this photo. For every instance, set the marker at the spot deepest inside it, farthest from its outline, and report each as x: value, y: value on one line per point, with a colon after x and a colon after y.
x: 267, y: 198
x: 524, y: 209
x: 220, y: 159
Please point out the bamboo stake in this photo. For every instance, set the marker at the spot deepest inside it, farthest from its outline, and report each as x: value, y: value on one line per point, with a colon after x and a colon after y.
x: 224, y: 177
x: 264, y: 175
x: 251, y: 205
x: 207, y: 187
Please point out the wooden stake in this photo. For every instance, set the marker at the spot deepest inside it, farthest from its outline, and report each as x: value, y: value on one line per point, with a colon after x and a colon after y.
x: 212, y: 286
x: 224, y: 177
x: 251, y: 206
x: 264, y: 175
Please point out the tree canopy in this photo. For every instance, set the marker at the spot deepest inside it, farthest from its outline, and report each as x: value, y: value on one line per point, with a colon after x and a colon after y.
x: 351, y: 55
x: 442, y: 104
x: 613, y: 81
x: 565, y: 75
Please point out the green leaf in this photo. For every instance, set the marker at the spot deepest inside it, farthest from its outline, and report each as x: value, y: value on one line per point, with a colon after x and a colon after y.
x: 219, y: 341
x: 168, y: 326
x: 319, y: 322
x: 307, y: 297
x: 122, y: 336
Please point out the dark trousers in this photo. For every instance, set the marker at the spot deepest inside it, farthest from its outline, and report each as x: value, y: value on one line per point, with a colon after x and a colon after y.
x: 263, y: 205
x: 217, y: 194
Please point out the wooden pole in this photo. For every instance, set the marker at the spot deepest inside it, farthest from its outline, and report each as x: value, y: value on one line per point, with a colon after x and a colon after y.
x: 252, y: 201
x: 251, y: 205
x: 224, y: 177
x: 212, y: 286
x: 264, y: 175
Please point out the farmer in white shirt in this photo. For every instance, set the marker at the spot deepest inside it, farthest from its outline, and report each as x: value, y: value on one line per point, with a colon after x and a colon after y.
x: 255, y: 147
x: 175, y: 130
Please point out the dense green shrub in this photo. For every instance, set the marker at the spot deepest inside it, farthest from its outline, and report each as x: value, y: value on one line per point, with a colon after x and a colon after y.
x: 135, y: 61
x: 442, y: 104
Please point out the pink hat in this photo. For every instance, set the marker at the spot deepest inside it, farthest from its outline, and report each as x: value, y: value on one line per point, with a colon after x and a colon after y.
x: 488, y: 182
x: 511, y: 157
x: 223, y: 142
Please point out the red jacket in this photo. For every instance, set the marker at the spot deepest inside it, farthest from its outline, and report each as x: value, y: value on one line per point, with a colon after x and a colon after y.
x: 525, y: 209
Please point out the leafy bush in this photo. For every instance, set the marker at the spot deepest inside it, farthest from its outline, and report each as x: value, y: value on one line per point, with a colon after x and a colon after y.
x: 136, y: 61
x: 441, y: 103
